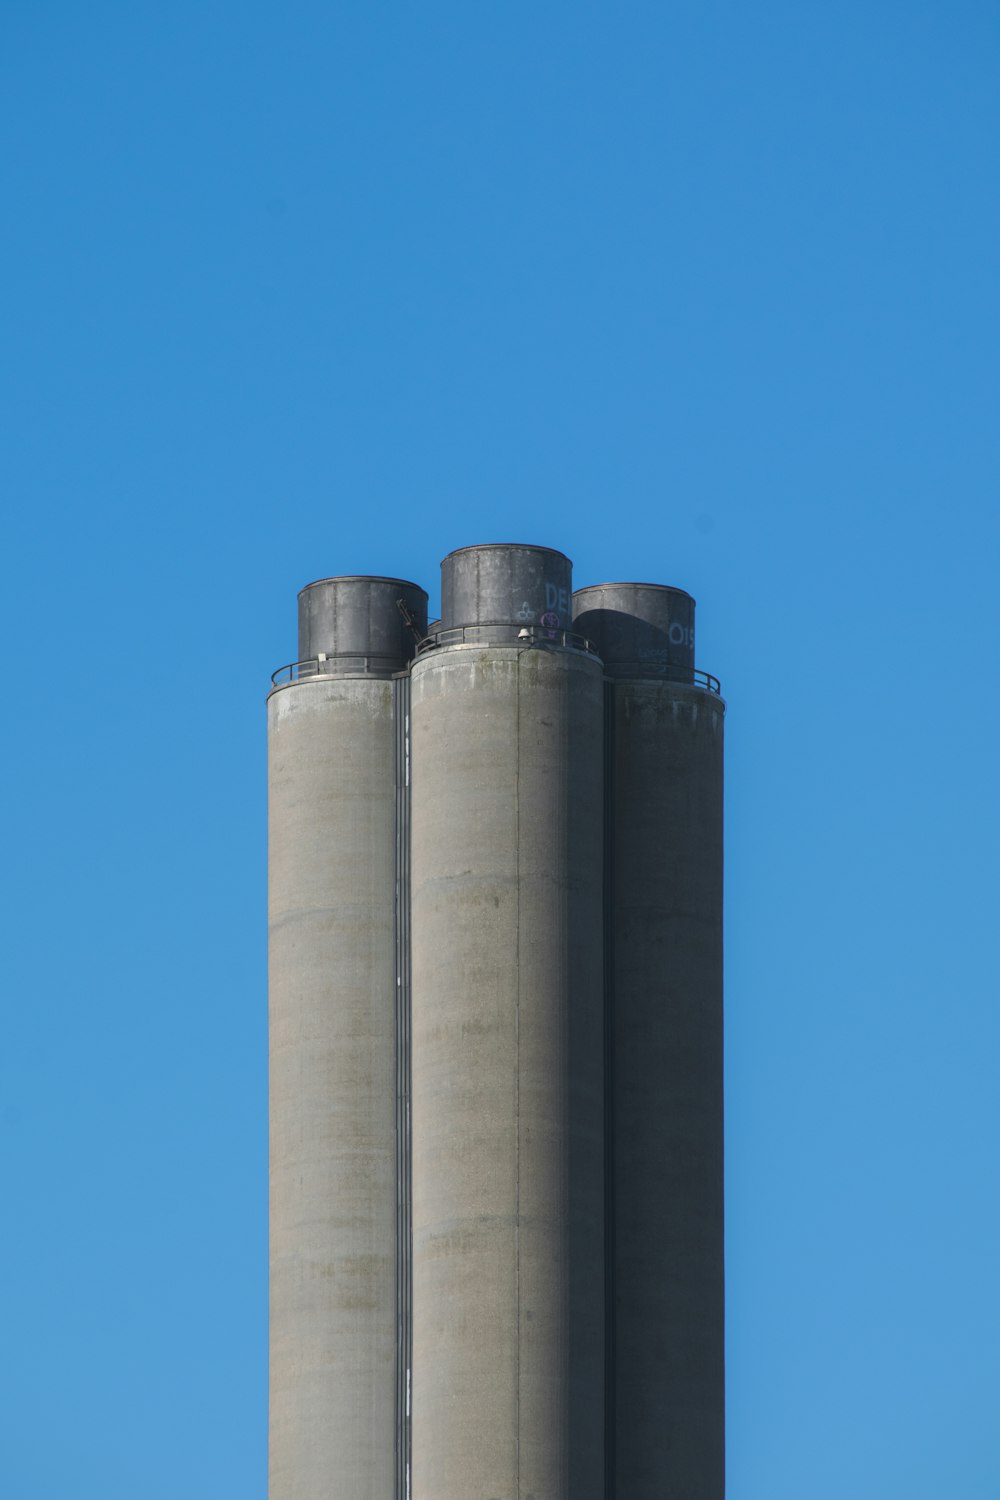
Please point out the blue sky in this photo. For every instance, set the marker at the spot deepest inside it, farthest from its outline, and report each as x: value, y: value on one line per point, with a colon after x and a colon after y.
x: 701, y: 293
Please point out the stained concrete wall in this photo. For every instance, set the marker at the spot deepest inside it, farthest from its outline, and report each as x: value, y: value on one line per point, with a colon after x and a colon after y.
x: 332, y: 991
x: 669, y: 1395
x: 507, y: 1081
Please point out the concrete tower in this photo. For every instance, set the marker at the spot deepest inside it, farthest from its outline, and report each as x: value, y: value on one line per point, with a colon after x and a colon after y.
x: 508, y: 1240
x: 496, y: 1047
x: 333, y: 1026
x: 663, y: 913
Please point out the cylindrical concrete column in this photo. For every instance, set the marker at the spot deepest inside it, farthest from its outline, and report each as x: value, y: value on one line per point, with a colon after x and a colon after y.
x: 666, y: 1110
x: 332, y: 973
x: 507, y: 1077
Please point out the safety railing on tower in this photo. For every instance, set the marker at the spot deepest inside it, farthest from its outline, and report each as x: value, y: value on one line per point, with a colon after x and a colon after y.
x: 334, y: 666
x: 495, y: 633
x: 506, y: 633
x: 666, y: 671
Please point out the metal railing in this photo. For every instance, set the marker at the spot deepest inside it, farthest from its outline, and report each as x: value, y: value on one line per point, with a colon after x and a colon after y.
x: 502, y: 634
x: 665, y: 672
x: 335, y: 666
x: 506, y: 633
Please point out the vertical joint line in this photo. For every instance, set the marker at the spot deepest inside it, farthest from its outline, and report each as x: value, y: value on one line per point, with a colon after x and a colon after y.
x: 404, y: 1216
x: 610, y: 1372
x: 517, y: 1068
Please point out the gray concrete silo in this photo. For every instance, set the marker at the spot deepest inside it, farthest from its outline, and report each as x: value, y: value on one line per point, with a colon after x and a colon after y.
x: 513, y: 1290
x: 332, y: 750
x: 507, y: 1016
x: 664, y: 993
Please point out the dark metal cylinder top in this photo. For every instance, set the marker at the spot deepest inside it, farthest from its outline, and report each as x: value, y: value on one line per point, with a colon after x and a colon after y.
x: 639, y: 629
x: 361, y: 617
x: 506, y: 583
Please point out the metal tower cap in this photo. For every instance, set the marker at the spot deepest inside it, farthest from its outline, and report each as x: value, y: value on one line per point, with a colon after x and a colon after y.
x: 506, y: 583
x: 639, y: 629
x: 358, y: 616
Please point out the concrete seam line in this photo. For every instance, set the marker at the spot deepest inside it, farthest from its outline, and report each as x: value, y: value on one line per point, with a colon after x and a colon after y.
x: 609, y: 959
x: 517, y: 1063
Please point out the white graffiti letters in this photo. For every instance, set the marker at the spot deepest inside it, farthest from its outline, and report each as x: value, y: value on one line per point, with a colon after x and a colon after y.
x: 557, y: 600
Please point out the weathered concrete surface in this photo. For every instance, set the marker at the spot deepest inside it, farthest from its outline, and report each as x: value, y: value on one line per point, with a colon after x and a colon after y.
x: 508, y: 1344
x: 668, y: 1116
x: 332, y: 988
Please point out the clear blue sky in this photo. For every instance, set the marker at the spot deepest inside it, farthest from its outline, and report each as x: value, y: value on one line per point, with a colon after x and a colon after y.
x: 705, y: 293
